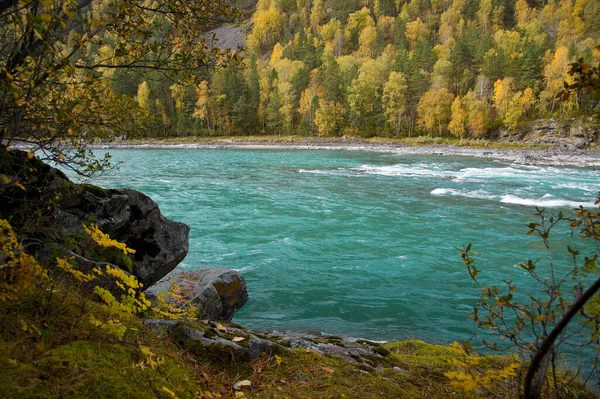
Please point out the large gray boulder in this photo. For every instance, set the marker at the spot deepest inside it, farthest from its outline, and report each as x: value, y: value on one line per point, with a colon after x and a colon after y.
x: 131, y: 217
x: 60, y: 208
x: 216, y: 293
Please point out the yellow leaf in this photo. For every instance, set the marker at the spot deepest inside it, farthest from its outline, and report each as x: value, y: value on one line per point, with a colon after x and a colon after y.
x: 38, y: 35
x: 220, y: 327
x: 240, y: 394
x: 456, y: 347
x: 169, y: 392
x: 238, y: 339
x: 30, y: 155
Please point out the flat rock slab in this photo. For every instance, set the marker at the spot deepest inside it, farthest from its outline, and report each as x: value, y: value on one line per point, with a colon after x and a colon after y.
x: 243, y: 343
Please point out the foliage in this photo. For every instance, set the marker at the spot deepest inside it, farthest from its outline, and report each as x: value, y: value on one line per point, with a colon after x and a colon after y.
x: 535, y: 322
x: 105, y: 241
x: 165, y: 306
x: 23, y: 276
x: 20, y: 273
x: 460, y: 46
x: 58, y: 59
x: 586, y: 80
x: 472, y: 375
x: 102, y: 84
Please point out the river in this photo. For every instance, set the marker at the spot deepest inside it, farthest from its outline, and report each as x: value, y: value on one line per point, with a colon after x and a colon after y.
x: 358, y: 243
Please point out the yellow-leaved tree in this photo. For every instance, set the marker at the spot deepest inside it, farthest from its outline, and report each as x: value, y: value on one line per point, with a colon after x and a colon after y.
x: 435, y: 110
x: 57, y: 58
x: 394, y: 100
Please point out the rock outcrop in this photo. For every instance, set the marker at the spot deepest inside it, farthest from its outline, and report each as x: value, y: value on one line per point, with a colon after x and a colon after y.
x: 237, y: 342
x: 569, y: 134
x: 241, y: 343
x: 216, y: 293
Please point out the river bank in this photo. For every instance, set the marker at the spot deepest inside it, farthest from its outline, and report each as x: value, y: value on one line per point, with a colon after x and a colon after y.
x: 513, y: 154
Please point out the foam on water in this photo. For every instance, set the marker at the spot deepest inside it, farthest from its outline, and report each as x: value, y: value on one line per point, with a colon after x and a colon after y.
x: 405, y: 170
x: 547, y: 201
x: 480, y: 194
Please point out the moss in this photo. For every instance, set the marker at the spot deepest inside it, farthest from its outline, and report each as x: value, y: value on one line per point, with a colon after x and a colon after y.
x: 302, y: 374
x: 367, y: 342
x: 221, y: 359
x: 114, y: 256
x: 17, y: 379
x: 380, y: 350
x: 105, y: 370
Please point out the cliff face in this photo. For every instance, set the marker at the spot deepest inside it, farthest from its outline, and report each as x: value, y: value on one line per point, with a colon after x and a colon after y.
x: 568, y: 134
x: 50, y: 211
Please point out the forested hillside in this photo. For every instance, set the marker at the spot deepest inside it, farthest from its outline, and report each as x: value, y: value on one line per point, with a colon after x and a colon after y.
x: 385, y: 67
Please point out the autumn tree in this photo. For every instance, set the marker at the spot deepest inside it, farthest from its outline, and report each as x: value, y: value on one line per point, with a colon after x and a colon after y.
x: 518, y: 106
x: 435, y: 110
x: 555, y: 74
x: 267, y: 28
x: 316, y: 14
x: 57, y: 60
x: 394, y: 100
x: 365, y: 93
x: 458, y: 123
x: 203, y: 96
x: 478, y: 121
x: 503, y: 94
x: 416, y: 30
x: 366, y: 42
x: 329, y: 118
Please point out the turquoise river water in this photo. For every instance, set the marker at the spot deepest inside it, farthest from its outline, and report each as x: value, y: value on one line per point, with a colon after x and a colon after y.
x: 356, y: 243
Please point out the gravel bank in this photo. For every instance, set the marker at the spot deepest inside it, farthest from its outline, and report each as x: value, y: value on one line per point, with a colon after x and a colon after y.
x: 582, y: 158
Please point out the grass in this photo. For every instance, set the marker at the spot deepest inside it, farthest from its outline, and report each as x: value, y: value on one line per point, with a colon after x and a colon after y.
x: 49, y: 349
x: 62, y: 354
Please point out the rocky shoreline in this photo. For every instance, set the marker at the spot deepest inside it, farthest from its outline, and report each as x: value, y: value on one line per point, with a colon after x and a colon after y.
x: 556, y: 157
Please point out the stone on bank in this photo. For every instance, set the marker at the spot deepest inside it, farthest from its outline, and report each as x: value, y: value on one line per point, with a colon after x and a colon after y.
x: 216, y: 293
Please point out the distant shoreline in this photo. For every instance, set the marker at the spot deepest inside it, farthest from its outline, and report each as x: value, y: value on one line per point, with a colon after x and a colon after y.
x: 555, y: 157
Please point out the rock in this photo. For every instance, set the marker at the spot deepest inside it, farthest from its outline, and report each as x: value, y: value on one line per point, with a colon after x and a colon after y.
x: 133, y: 218
x: 217, y: 293
x: 366, y: 353
x: 207, y: 334
x: 568, y: 134
x: 62, y: 207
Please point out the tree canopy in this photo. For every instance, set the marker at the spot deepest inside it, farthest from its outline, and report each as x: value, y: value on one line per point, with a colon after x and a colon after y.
x: 60, y: 60
x: 504, y: 59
